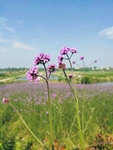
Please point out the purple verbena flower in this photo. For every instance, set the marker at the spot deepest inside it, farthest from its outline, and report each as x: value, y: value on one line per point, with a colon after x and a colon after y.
x: 60, y: 58
x: 73, y: 62
x: 62, y: 66
x: 73, y: 50
x: 32, y: 74
x: 95, y: 61
x: 47, y: 58
x: 64, y: 50
x: 70, y: 76
x: 51, y: 68
x: 41, y: 59
x: 5, y: 100
x: 54, y: 95
x: 82, y: 57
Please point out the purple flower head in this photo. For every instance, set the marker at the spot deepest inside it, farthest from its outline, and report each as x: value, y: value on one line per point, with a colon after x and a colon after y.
x: 51, y: 68
x: 5, y: 100
x: 54, y: 95
x: 64, y: 50
x: 73, y: 50
x: 70, y: 76
x: 41, y: 59
x: 73, y: 62
x: 60, y: 58
x: 62, y: 66
x: 32, y: 74
x: 95, y: 61
x: 47, y: 58
x: 82, y: 57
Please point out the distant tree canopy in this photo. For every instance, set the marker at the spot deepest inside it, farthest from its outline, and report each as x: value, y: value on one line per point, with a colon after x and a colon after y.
x: 12, y: 69
x: 42, y: 69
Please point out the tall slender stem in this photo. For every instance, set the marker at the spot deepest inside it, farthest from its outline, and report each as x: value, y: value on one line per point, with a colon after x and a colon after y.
x: 27, y: 126
x: 50, y: 109
x: 69, y: 83
x: 77, y: 108
x: 73, y: 77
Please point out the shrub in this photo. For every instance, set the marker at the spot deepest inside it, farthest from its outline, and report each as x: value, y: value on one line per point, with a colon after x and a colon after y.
x: 86, y: 80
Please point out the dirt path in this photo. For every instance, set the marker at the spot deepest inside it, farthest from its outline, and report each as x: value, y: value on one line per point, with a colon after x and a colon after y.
x: 3, y: 80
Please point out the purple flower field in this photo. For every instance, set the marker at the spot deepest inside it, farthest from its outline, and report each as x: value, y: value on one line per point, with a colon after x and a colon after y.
x: 36, y: 89
x: 30, y: 99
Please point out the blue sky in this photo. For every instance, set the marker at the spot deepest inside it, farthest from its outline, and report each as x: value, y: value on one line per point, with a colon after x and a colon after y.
x: 30, y: 27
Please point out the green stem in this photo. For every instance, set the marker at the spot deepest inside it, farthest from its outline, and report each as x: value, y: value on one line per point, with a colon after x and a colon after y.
x: 42, y: 77
x: 69, y: 83
x: 77, y: 109
x: 27, y: 126
x: 50, y: 109
x: 79, y: 126
x: 75, y: 91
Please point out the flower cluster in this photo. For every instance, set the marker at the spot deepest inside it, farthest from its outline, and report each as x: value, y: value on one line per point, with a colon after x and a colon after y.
x: 5, y: 100
x: 82, y: 57
x: 51, y: 68
x: 65, y: 51
x: 41, y: 59
x: 73, y: 50
x: 62, y: 66
x: 70, y: 76
x: 60, y: 58
x: 32, y: 74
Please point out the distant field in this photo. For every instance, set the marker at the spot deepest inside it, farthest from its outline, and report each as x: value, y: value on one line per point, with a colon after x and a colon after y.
x: 96, y: 76
x: 9, y: 77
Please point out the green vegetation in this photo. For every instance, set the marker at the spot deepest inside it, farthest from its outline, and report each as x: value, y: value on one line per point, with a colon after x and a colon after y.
x: 11, y: 75
x: 28, y: 102
x: 93, y: 76
x: 95, y: 104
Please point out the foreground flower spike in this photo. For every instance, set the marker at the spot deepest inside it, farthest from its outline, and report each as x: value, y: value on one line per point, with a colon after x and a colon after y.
x: 82, y: 57
x: 62, y: 66
x: 64, y: 50
x: 95, y: 61
x: 41, y: 59
x: 32, y: 74
x: 51, y: 68
x: 5, y: 100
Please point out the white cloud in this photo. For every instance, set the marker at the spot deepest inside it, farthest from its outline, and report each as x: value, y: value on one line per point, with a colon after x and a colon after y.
x: 10, y: 29
x: 15, y: 45
x: 107, y: 32
x: 2, y: 40
x: 4, y: 26
x: 2, y: 20
x: 10, y: 40
x: 23, y: 46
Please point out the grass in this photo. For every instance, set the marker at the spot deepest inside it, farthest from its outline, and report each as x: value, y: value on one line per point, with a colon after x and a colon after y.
x: 31, y: 101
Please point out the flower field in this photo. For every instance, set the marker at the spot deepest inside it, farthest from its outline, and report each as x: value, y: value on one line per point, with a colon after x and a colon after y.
x: 30, y: 99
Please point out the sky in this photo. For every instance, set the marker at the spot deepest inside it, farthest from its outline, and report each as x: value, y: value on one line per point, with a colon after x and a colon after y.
x: 30, y: 27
